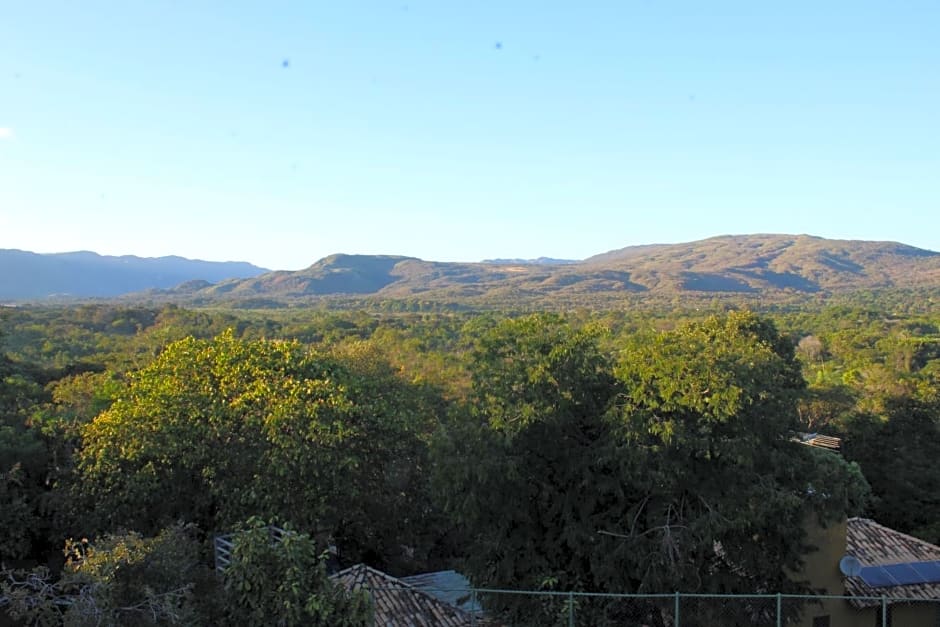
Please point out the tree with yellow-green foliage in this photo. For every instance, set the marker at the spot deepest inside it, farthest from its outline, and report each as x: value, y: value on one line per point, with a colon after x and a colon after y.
x: 215, y: 431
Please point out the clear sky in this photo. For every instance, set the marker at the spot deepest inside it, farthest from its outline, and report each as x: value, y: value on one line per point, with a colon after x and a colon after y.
x: 281, y: 132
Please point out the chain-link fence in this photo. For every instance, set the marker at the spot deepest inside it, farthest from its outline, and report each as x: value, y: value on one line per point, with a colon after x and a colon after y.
x: 524, y: 608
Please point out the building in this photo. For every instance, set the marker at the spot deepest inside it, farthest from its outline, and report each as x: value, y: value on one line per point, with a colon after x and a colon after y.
x: 400, y: 604
x: 892, y: 573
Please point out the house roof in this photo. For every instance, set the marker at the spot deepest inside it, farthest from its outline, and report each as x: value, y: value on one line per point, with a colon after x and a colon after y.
x: 822, y: 441
x: 399, y: 604
x: 876, y: 545
x: 448, y: 586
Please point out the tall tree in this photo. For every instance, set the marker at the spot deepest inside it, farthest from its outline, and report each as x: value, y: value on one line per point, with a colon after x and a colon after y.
x: 898, y: 453
x: 215, y: 431
x: 569, y: 472
x: 714, y: 405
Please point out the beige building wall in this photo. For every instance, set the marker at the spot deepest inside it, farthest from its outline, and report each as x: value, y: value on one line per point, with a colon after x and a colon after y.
x: 821, y: 570
x: 908, y: 615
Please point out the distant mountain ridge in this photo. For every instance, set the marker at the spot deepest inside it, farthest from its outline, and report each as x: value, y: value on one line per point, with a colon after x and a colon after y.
x: 541, y: 261
x: 747, y: 265
x: 29, y: 276
x: 730, y: 264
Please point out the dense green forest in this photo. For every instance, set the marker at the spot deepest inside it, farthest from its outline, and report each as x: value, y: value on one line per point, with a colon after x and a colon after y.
x: 528, y: 450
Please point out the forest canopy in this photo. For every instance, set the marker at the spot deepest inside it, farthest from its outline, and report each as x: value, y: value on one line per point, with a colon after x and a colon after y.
x: 615, y: 451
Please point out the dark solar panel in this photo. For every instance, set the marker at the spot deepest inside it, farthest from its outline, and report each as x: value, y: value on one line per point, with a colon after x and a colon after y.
x: 929, y: 570
x: 904, y: 574
x: 901, y: 574
x: 877, y: 577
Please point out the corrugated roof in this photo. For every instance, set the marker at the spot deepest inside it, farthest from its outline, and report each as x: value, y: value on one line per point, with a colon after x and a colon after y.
x: 876, y: 545
x: 822, y: 441
x: 448, y: 586
x: 398, y: 604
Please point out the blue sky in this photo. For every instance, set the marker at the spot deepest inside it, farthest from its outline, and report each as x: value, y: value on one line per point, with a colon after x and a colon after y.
x: 281, y: 132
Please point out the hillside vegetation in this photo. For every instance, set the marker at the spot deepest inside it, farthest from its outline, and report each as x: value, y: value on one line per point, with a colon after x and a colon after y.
x: 744, y: 268
x: 745, y: 265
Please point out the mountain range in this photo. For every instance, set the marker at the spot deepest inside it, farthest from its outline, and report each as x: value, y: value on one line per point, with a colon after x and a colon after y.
x: 26, y: 275
x: 755, y: 265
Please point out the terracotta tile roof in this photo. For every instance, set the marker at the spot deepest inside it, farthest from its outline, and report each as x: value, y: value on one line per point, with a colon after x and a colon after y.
x: 398, y: 604
x: 876, y: 545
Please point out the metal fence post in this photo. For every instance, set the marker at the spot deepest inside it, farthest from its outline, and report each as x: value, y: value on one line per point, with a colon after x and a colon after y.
x: 473, y: 607
x: 676, y: 609
x: 884, y: 612
x: 779, y: 610
x: 570, y: 609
